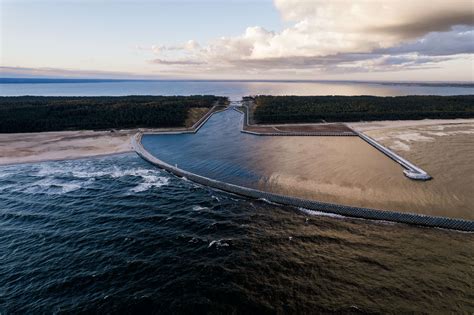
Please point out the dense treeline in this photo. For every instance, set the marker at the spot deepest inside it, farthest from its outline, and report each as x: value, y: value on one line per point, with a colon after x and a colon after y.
x: 296, y: 109
x: 44, y: 113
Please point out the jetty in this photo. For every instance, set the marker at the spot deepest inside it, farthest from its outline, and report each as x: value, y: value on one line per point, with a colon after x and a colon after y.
x: 344, y: 210
x: 410, y: 170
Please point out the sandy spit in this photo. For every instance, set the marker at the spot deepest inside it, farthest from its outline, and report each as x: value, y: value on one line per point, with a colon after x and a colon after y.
x: 48, y: 146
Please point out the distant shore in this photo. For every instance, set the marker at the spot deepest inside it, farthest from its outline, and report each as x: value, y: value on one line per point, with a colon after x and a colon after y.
x: 64, y: 145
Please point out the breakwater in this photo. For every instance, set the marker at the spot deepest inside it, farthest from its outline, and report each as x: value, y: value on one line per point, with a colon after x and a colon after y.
x: 411, y: 171
x: 263, y: 130
x: 350, y: 211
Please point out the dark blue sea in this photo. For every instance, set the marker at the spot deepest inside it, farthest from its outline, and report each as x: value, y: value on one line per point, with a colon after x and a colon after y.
x: 117, y: 235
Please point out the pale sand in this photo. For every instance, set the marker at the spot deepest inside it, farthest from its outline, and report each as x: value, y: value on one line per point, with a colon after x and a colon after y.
x: 63, y: 145
x: 391, y: 124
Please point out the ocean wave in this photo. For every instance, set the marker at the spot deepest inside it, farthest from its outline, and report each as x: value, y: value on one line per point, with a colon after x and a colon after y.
x: 150, y: 181
x: 69, y: 176
x: 54, y: 186
x: 199, y: 208
x: 218, y: 243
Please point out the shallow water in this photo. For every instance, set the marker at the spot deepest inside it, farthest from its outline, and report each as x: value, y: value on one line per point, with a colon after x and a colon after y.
x: 344, y: 170
x: 116, y: 234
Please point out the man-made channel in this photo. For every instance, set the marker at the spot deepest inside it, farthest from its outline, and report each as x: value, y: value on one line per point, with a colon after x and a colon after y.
x: 311, y: 172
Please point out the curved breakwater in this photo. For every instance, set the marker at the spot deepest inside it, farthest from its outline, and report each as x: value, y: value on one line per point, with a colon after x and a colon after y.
x: 351, y: 211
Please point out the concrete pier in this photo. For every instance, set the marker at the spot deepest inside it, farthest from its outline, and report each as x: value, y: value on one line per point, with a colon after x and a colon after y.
x: 411, y: 171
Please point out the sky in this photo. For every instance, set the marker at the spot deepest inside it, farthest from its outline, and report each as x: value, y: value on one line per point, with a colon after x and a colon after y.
x: 387, y: 40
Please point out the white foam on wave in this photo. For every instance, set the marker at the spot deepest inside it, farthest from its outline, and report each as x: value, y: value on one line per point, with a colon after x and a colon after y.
x: 150, y: 181
x: 218, y: 243
x: 149, y: 177
x: 199, y: 208
x: 54, y: 186
x: 113, y: 172
x: 320, y: 213
x: 55, y: 178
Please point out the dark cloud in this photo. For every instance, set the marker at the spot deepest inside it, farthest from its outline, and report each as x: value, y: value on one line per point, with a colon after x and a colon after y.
x: 458, y: 41
x: 443, y: 21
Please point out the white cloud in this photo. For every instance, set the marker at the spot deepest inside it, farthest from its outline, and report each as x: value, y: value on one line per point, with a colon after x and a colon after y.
x: 324, y: 34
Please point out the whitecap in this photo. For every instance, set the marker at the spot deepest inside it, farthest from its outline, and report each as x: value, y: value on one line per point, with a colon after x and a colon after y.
x: 150, y: 181
x: 320, y: 213
x: 218, y: 243
x: 53, y: 186
x: 199, y: 208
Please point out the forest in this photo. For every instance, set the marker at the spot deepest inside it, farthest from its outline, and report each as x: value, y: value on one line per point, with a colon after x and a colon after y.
x: 306, y: 109
x: 45, y: 113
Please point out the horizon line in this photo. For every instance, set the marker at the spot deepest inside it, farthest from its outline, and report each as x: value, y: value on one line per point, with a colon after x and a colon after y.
x: 26, y: 80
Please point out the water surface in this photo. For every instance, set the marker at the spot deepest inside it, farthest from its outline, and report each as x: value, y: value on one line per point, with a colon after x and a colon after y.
x: 343, y: 170
x: 117, y: 235
x: 234, y: 89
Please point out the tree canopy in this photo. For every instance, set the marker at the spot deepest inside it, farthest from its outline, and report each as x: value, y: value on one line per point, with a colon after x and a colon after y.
x: 296, y: 109
x: 40, y: 113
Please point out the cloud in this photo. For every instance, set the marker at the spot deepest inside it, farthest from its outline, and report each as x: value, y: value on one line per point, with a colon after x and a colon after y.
x: 47, y: 72
x: 458, y: 41
x: 176, y: 62
x: 330, y: 34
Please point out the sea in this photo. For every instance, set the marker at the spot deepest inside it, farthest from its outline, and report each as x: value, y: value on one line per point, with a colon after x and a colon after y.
x: 115, y: 234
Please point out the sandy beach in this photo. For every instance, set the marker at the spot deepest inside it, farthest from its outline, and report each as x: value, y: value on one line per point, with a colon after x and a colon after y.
x: 64, y: 145
x: 49, y: 146
x: 395, y: 124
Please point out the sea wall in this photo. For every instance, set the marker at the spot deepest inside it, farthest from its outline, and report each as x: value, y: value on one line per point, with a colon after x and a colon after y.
x: 349, y: 211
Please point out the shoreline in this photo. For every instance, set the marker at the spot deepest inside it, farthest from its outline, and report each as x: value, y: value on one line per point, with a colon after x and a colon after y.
x: 416, y: 219
x: 22, y: 148
x: 66, y: 159
x: 36, y: 147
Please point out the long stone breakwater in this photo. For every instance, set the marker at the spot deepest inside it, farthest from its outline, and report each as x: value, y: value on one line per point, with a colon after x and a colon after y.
x: 348, y: 211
